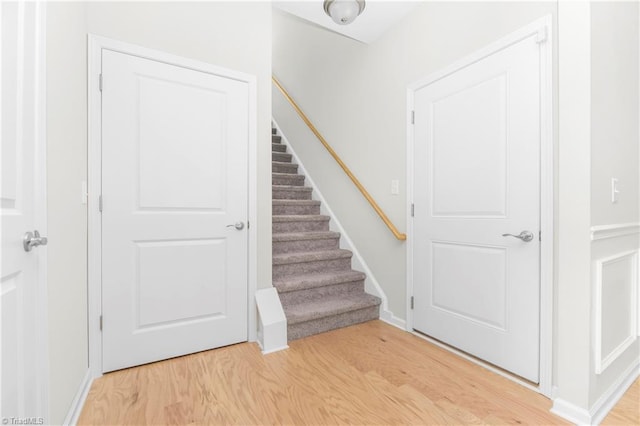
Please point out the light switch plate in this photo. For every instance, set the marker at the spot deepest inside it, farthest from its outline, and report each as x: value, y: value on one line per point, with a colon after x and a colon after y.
x: 614, y: 190
x: 395, y: 187
x: 83, y: 188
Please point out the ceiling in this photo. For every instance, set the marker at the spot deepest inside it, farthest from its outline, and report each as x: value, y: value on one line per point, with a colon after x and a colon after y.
x: 377, y: 17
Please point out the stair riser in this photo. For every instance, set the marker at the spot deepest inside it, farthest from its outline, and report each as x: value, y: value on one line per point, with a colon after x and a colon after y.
x: 298, y: 331
x: 302, y: 226
x: 290, y: 179
x: 284, y: 168
x: 296, y: 209
x: 288, y: 194
x: 343, y: 264
x: 280, y: 247
x: 281, y: 157
x: 278, y: 147
x: 317, y: 293
x: 276, y: 139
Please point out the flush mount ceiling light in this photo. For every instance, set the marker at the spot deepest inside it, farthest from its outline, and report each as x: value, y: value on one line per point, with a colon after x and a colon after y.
x: 343, y: 12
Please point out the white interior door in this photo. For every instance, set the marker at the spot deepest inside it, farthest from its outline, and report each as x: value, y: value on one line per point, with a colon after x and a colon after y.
x: 22, y: 209
x: 174, y: 176
x: 477, y: 177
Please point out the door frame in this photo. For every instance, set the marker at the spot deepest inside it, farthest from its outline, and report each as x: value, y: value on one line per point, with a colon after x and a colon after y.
x: 94, y: 65
x: 542, y: 28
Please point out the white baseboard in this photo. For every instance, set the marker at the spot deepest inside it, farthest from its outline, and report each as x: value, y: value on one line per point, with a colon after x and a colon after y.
x: 603, y: 405
x: 371, y: 285
x: 610, y: 398
x: 570, y: 412
x: 78, y: 401
x: 389, y: 318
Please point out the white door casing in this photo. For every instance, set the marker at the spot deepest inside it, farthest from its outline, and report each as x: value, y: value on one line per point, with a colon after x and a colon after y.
x: 476, y: 175
x: 23, y: 296
x: 174, y: 176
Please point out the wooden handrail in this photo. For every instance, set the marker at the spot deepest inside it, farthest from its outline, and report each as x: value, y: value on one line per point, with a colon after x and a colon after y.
x: 356, y: 182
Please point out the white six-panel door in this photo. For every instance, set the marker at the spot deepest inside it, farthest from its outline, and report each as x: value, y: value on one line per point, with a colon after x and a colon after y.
x: 477, y: 177
x: 174, y: 177
x: 22, y: 209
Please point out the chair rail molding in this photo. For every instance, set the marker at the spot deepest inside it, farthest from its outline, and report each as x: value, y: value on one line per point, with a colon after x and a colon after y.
x: 601, y: 232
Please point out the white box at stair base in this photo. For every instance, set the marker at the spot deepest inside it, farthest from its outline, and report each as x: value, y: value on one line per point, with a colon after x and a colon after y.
x: 272, y: 323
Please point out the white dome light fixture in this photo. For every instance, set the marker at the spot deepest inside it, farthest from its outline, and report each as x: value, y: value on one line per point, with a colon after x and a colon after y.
x: 343, y: 12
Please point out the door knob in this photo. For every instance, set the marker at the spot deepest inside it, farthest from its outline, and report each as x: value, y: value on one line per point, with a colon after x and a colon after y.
x: 525, y: 236
x: 238, y: 225
x: 33, y: 239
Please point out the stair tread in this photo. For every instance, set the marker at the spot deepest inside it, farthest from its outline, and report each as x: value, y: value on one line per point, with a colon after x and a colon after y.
x: 321, y: 308
x: 299, y: 218
x: 299, y: 236
x: 285, y: 175
x: 314, y: 280
x: 292, y: 187
x: 287, y: 202
x: 310, y: 256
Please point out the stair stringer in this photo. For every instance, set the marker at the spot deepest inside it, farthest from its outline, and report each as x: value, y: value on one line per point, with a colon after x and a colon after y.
x: 371, y: 285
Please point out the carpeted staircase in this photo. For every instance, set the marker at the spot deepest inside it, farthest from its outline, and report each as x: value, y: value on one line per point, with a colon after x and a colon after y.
x: 318, y: 289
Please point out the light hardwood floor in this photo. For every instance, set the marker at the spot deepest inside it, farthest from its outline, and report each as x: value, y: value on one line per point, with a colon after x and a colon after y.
x: 370, y: 373
x: 627, y: 411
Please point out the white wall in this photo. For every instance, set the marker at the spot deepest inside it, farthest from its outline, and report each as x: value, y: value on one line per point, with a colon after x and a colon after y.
x: 572, y: 294
x: 227, y: 34
x: 355, y: 94
x: 67, y: 217
x: 615, y: 145
x: 614, y: 125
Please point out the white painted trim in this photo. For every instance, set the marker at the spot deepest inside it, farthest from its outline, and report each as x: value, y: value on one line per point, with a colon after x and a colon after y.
x: 570, y: 412
x: 252, y: 212
x: 611, y: 396
x: 79, y: 399
x: 602, y: 361
x: 42, y: 318
x: 94, y: 223
x: 603, y: 405
x: 95, y: 46
x: 616, y: 230
x: 371, y: 285
x: 546, y: 181
x: 272, y: 322
x: 389, y: 318
x: 410, y: 201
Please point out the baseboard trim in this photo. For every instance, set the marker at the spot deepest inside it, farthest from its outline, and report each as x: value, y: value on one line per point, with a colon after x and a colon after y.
x: 78, y: 401
x: 388, y: 317
x: 603, y: 405
x: 610, y: 398
x: 570, y: 412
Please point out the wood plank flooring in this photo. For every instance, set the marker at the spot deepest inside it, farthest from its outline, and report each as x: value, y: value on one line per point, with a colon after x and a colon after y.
x: 627, y: 410
x: 370, y: 373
